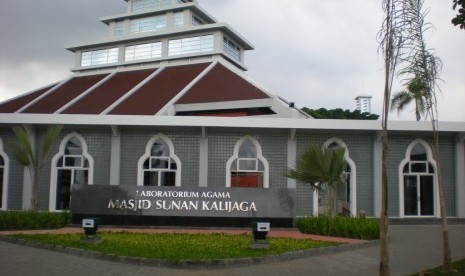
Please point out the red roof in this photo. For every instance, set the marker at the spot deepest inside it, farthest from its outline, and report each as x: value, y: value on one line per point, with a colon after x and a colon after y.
x: 137, y: 92
x: 53, y: 101
x: 157, y: 92
x: 106, y: 94
x: 16, y: 104
x: 221, y: 85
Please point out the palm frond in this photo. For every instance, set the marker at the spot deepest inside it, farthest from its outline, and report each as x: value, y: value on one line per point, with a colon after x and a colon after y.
x: 22, y: 148
x: 50, y: 136
x: 318, y: 165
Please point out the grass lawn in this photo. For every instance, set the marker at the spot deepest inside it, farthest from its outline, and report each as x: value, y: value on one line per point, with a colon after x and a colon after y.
x: 177, y: 246
x: 459, y: 266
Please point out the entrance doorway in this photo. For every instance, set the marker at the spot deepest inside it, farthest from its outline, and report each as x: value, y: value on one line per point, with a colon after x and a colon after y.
x: 418, y: 182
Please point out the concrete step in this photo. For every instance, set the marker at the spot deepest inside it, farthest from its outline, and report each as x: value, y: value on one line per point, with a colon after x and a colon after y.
x: 424, y: 221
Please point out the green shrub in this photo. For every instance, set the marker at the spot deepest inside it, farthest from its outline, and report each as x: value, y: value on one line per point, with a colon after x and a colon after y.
x: 346, y: 227
x: 28, y: 220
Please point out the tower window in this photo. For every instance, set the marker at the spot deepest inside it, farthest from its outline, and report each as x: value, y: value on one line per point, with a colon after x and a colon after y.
x: 138, y: 5
x: 99, y: 57
x: 118, y: 28
x: 191, y: 45
x: 231, y: 49
x: 143, y: 51
x: 178, y: 19
x: 147, y: 24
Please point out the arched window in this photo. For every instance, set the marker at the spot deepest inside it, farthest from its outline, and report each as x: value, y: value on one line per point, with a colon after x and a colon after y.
x: 346, y: 195
x: 247, y: 168
x: 418, y: 188
x: 4, y: 161
x: 159, y: 166
x: 71, y: 166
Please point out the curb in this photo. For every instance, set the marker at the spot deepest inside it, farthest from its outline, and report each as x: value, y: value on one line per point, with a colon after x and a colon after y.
x: 195, y: 264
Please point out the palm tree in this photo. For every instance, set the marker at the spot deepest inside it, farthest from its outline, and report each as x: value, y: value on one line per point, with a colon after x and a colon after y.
x: 24, y: 153
x: 322, y: 169
x: 416, y: 92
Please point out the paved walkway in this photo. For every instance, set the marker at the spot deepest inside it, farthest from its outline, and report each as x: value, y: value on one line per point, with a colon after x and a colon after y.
x: 412, y: 249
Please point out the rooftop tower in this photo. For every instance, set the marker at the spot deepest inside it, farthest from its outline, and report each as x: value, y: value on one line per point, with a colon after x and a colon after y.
x: 159, y: 32
x: 160, y: 58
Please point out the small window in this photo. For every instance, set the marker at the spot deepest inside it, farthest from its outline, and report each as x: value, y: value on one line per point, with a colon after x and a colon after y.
x: 178, y: 19
x: 190, y: 45
x: 418, y: 161
x: 147, y: 24
x: 248, y: 169
x: 142, y: 51
x: 138, y: 5
x: 159, y: 166
x: 118, y: 28
x: 99, y: 57
x: 231, y: 49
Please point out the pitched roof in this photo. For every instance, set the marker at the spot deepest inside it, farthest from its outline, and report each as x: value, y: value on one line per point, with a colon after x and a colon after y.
x: 222, y: 85
x: 158, y: 91
x: 138, y: 92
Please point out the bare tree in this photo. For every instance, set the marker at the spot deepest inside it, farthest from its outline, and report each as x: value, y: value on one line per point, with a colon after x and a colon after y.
x: 392, y: 37
x: 423, y: 64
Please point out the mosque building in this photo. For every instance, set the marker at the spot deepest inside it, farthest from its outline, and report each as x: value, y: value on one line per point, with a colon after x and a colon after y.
x: 163, y: 126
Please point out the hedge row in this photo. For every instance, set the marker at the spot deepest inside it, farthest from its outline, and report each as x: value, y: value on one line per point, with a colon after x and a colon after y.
x: 346, y: 227
x: 28, y: 220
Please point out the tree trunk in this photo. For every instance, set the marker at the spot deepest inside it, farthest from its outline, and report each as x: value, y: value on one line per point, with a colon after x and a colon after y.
x: 447, y: 259
x: 384, y: 269
x: 35, y: 190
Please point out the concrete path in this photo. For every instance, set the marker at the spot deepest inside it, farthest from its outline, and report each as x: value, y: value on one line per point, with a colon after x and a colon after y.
x: 412, y: 249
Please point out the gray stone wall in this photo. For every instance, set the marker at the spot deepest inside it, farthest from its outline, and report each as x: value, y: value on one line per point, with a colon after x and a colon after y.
x: 16, y: 172
x: 221, y: 143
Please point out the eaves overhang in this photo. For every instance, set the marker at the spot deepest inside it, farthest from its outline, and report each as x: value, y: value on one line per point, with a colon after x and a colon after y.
x: 165, y: 34
x: 192, y: 6
x: 237, y: 122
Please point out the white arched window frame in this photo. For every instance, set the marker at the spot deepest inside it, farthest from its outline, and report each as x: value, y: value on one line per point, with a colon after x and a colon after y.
x: 54, y: 166
x: 258, y: 158
x: 147, y: 155
x: 4, y: 177
x: 353, y: 177
x: 406, y: 161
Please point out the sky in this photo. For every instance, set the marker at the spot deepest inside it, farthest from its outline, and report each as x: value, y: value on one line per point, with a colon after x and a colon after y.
x: 311, y: 52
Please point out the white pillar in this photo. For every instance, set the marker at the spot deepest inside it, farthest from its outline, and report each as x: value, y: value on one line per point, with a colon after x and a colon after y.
x: 291, y: 157
x: 460, y: 174
x: 27, y: 175
x: 377, y: 173
x: 316, y: 207
x: 203, y: 159
x: 115, y: 156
